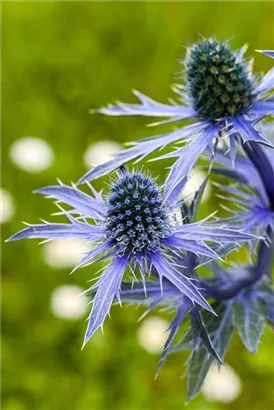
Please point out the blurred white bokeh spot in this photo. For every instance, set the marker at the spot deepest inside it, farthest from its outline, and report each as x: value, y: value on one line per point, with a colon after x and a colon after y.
x: 68, y: 302
x: 100, y: 152
x: 153, y: 333
x: 65, y: 253
x: 267, y: 129
x: 222, y: 384
x: 31, y: 154
x: 6, y: 206
x: 192, y: 185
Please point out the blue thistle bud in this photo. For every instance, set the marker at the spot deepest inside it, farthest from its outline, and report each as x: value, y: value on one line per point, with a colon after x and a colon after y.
x: 129, y: 223
x: 218, y: 84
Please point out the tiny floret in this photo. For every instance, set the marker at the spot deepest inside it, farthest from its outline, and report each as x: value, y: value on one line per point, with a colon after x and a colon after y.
x: 218, y: 84
x: 136, y: 220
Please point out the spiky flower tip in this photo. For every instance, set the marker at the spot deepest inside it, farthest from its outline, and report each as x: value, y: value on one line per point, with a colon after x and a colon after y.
x: 218, y: 81
x: 136, y: 218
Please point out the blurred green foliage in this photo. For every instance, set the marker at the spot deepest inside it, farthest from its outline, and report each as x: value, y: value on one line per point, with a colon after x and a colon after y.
x: 58, y: 60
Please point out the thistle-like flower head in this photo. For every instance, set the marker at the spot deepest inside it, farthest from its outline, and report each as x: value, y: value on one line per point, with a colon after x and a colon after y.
x: 220, y: 95
x: 137, y: 220
x: 132, y: 229
x: 218, y: 83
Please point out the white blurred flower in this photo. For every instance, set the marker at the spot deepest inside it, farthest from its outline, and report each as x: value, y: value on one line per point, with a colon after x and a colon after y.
x: 65, y: 253
x: 100, y: 152
x: 6, y: 206
x: 222, y: 384
x: 68, y: 302
x: 153, y: 333
x: 192, y: 185
x: 31, y: 154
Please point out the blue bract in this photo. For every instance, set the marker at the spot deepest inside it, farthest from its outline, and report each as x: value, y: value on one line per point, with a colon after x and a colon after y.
x: 220, y: 95
x: 269, y: 53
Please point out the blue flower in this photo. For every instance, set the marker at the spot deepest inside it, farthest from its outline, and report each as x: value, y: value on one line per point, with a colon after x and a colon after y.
x: 254, y: 192
x: 133, y: 230
x: 221, y: 96
x: 253, y: 213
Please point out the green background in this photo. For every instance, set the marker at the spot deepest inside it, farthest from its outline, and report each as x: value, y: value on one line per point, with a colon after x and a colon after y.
x: 58, y: 60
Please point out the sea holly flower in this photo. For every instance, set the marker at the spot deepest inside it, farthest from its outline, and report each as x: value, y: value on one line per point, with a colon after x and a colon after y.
x: 133, y: 230
x: 253, y: 213
x: 220, y: 95
x: 254, y: 192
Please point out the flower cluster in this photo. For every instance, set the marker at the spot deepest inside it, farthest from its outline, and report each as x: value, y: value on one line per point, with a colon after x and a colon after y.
x: 135, y: 228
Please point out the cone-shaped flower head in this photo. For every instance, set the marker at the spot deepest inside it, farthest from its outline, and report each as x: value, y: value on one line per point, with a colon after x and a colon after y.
x: 136, y: 219
x: 218, y: 84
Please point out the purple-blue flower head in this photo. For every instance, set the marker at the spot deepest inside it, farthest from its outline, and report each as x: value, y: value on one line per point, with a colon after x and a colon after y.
x: 255, y: 191
x: 133, y: 230
x: 220, y: 95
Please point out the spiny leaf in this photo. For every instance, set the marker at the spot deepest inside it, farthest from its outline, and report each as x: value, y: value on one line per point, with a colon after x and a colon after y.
x: 198, y: 367
x: 200, y: 331
x: 220, y: 330
x: 174, y: 327
x: 248, y: 318
x: 186, y: 343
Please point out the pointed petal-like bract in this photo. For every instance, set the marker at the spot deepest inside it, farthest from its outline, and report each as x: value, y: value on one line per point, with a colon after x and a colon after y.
x: 142, y: 149
x: 108, y: 287
x: 60, y: 231
x: 218, y: 234
x: 165, y: 269
x: 188, y: 156
x: 269, y: 53
x: 90, y: 256
x: 248, y: 133
x: 82, y: 203
x: 262, y: 108
x: 187, y: 244
x: 134, y: 293
x: 148, y: 108
x: 266, y: 83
